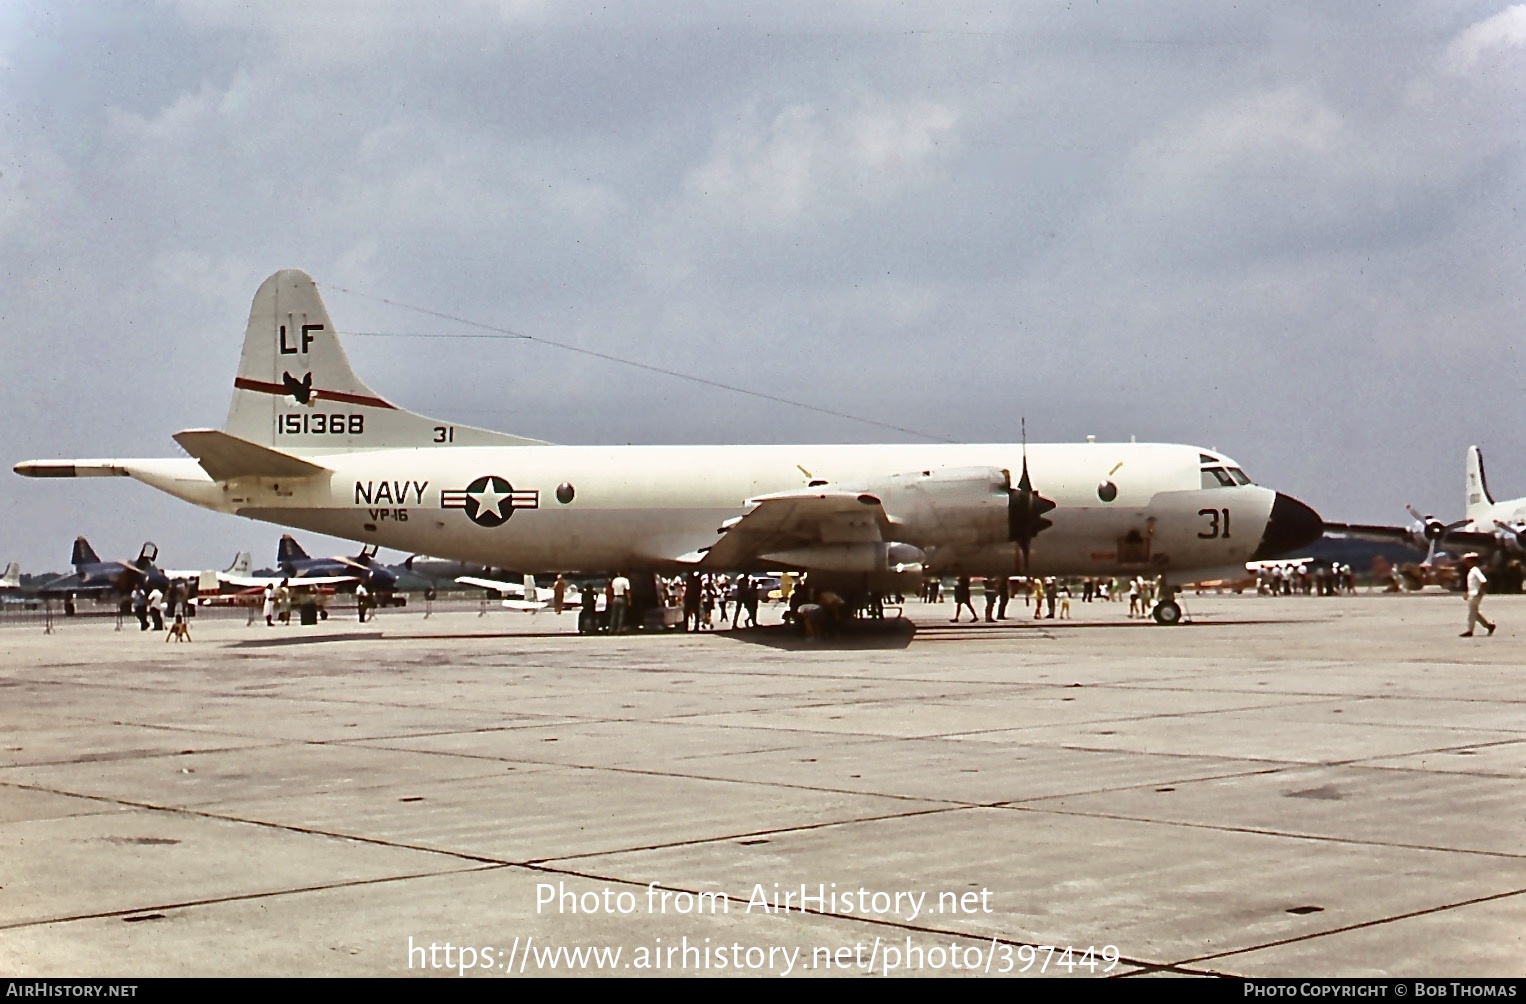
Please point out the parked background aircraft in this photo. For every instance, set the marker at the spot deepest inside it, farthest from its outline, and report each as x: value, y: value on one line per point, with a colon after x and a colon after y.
x: 426, y: 567
x: 308, y: 444
x: 117, y: 578
x: 11, y: 580
x: 1495, y: 529
x: 301, y: 570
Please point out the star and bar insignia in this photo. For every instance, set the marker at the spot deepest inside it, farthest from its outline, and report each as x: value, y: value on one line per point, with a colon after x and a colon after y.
x: 490, y: 500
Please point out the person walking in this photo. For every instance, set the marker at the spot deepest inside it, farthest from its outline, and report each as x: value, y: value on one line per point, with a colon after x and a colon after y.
x: 156, y: 608
x: 140, y: 607
x: 1478, y: 583
x: 962, y: 599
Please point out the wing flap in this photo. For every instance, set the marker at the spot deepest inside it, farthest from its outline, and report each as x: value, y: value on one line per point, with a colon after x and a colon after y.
x: 789, y: 520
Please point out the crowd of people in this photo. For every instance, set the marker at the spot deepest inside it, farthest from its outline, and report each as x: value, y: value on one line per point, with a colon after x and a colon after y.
x: 701, y: 597
x: 1049, y: 597
x: 1304, y: 580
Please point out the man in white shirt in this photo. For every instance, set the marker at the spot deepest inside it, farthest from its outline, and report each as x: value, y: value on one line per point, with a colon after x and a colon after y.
x: 620, y: 590
x: 156, y: 608
x: 1477, y: 583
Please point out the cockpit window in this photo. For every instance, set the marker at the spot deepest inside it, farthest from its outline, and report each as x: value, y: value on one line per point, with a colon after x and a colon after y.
x: 1217, y: 477
x: 1241, y: 478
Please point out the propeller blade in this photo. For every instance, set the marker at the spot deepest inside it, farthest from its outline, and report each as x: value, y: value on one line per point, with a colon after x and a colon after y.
x: 1026, y: 509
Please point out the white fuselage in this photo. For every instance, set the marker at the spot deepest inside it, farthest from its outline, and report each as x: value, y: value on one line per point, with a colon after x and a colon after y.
x: 647, y: 507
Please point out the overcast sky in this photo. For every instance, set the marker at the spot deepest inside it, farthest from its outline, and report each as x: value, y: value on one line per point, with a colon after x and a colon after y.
x: 1292, y: 232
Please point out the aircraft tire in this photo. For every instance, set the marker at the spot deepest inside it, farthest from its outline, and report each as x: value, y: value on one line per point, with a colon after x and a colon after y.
x: 1168, y: 614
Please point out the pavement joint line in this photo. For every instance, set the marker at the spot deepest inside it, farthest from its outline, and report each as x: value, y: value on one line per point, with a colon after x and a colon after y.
x: 1280, y: 766
x: 130, y: 755
x: 225, y: 817
x: 240, y: 897
x: 1257, y: 831
x: 1380, y: 922
x: 1345, y: 695
x: 1141, y: 786
x: 497, y: 861
x: 731, y: 837
x: 618, y: 769
x: 848, y: 740
x: 1274, y: 760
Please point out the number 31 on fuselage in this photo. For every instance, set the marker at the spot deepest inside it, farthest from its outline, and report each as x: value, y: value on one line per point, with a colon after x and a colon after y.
x: 307, y: 444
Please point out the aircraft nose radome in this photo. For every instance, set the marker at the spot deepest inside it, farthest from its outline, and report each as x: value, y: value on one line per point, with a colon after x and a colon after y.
x: 1290, y: 526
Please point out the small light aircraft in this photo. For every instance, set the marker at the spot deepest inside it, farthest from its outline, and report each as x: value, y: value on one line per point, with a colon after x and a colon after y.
x: 308, y: 444
x: 525, y: 595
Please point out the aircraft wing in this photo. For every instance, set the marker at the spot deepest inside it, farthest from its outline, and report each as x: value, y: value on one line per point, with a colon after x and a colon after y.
x: 1367, y: 531
x: 302, y: 582
x: 1407, y: 535
x: 493, y: 585
x: 532, y: 598
x: 794, y: 519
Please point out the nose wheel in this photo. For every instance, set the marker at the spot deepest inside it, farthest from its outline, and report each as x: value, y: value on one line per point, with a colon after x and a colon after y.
x: 1167, y: 611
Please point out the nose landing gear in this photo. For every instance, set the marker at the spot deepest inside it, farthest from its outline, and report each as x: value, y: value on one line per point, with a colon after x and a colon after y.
x: 1167, y: 611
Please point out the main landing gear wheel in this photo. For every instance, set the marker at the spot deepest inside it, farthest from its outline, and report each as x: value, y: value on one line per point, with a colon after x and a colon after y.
x: 1168, y: 613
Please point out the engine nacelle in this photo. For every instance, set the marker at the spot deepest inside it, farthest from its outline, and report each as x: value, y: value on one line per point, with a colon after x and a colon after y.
x: 953, y: 506
x: 864, y: 557
x: 1512, y: 538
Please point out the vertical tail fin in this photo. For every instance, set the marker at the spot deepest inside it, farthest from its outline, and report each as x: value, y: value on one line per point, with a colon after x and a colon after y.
x: 1476, y: 488
x: 243, y: 563
x: 288, y: 550
x: 12, y: 577
x: 83, y: 553
x: 296, y: 391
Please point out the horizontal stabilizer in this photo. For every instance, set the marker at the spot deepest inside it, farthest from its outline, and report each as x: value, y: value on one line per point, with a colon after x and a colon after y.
x: 224, y: 457
x: 71, y: 469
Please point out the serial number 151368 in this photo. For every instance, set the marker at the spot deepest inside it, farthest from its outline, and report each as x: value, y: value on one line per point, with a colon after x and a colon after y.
x: 320, y: 423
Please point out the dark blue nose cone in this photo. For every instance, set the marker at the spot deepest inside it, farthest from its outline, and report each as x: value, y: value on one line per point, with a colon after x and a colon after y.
x: 1292, y: 525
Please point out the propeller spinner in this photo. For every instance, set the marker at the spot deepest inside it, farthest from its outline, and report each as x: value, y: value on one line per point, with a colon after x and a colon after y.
x: 1432, y: 531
